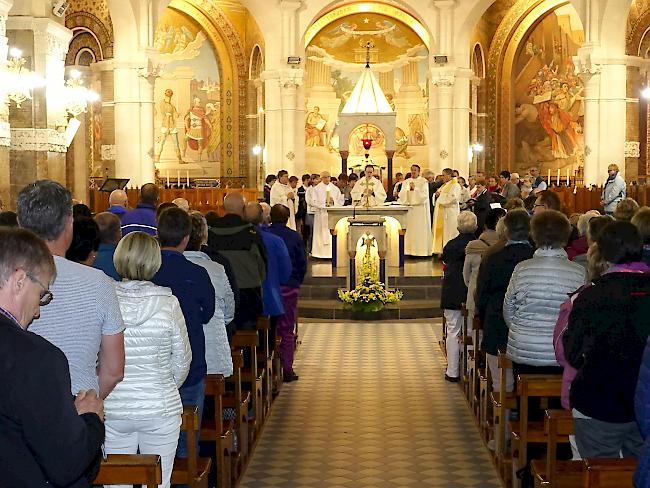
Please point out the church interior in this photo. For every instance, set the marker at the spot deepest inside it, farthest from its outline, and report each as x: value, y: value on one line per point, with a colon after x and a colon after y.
x: 206, y: 98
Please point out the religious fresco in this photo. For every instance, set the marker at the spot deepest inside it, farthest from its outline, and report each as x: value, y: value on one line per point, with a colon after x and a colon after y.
x: 188, y: 96
x: 336, y: 57
x: 548, y: 96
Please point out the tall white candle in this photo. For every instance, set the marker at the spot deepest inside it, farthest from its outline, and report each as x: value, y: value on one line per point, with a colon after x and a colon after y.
x: 178, y: 177
x: 167, y: 174
x: 558, y: 177
x: 548, y: 178
x: 567, y: 177
x: 187, y: 177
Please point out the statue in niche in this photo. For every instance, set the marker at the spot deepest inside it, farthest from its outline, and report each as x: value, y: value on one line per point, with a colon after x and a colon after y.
x: 314, y: 128
x: 168, y: 114
x: 197, y: 128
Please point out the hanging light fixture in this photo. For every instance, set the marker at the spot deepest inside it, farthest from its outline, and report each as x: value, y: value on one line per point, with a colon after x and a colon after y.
x: 17, y: 82
x: 76, y: 96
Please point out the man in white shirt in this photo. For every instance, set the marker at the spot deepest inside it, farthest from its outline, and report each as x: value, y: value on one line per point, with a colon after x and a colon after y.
x: 324, y: 195
x: 447, y: 209
x: 368, y: 191
x: 415, y: 193
x: 283, y: 194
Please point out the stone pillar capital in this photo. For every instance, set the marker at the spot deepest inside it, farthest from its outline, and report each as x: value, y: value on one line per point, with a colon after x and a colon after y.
x: 444, y: 4
x: 290, y: 5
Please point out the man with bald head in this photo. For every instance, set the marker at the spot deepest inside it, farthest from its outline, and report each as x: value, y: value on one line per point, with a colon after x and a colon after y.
x: 118, y: 203
x: 110, y: 234
x: 324, y: 195
x: 143, y: 217
x: 241, y: 244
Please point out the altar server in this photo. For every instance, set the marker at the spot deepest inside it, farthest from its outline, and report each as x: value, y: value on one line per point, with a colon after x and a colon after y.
x: 415, y: 193
x: 447, y: 209
x: 283, y: 194
x: 368, y: 186
x: 324, y: 195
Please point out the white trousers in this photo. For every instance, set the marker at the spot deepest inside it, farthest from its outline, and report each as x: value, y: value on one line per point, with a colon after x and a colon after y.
x: 493, y: 365
x: 155, y: 436
x: 454, y: 319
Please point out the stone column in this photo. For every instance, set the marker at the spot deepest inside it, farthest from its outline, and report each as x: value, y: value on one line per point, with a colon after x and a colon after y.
x: 443, y: 82
x: 387, y: 82
x: 461, y: 110
x: 446, y: 25
x: 6, y: 197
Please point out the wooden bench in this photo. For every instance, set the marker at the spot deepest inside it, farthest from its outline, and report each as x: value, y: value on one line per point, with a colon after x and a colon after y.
x: 254, y: 377
x: 265, y: 356
x: 502, y: 401
x: 129, y: 469
x: 551, y: 472
x: 191, y: 471
x: 443, y: 338
x: 238, y: 400
x: 218, y: 432
x: 609, y: 473
x: 278, y: 374
x: 524, y: 431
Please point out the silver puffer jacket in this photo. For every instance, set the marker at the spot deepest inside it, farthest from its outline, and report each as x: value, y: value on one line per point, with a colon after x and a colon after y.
x: 157, y: 350
x: 532, y: 304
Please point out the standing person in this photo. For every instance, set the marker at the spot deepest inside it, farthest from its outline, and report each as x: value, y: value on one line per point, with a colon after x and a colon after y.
x: 324, y: 195
x: 143, y: 217
x: 110, y: 234
x: 85, y: 320
x: 607, y: 333
x: 447, y: 208
x: 415, y: 194
x: 191, y: 285
x: 85, y: 241
x: 537, y: 182
x: 143, y: 413
x: 614, y: 190
x: 309, y: 217
x: 301, y: 214
x: 397, y: 186
x: 217, y: 347
x: 118, y: 203
x: 508, y: 188
x: 283, y: 194
x: 454, y: 290
x: 270, y: 181
x: 481, y: 202
x: 47, y: 437
x: 290, y: 289
x: 368, y: 189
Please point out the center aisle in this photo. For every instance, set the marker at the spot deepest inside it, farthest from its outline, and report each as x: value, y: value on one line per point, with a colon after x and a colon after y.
x: 371, y: 409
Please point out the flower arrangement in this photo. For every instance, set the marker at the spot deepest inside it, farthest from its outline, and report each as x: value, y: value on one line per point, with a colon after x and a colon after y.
x: 370, y: 295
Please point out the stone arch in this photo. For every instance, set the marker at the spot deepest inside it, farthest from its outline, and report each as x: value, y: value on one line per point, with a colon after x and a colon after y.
x: 637, y: 35
x: 256, y: 64
x: 89, y: 32
x: 478, y: 60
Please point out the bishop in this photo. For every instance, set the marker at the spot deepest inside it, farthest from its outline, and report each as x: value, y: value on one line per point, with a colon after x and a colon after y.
x: 369, y: 191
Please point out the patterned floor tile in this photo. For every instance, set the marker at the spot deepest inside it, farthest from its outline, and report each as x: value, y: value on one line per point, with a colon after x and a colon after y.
x: 371, y: 409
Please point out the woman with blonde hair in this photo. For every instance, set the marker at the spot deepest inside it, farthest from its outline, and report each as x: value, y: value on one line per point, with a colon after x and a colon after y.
x: 143, y: 412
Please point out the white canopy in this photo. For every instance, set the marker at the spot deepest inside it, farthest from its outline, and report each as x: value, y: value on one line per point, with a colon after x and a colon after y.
x: 367, y: 96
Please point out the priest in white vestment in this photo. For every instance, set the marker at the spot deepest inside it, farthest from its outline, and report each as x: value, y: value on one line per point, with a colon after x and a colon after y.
x: 415, y: 193
x: 324, y: 195
x: 368, y: 189
x: 447, y: 209
x: 283, y: 194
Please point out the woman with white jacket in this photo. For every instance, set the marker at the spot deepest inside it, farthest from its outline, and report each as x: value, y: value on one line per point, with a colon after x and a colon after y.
x: 143, y: 412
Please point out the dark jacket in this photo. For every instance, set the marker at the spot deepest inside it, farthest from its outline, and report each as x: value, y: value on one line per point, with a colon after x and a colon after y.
x: 302, y: 202
x: 454, y: 291
x: 278, y: 272
x: 481, y: 208
x: 43, y: 441
x: 491, y: 285
x: 296, y: 249
x: 642, y: 411
x: 104, y: 260
x: 267, y: 194
x: 191, y: 284
x: 608, y: 330
x: 142, y: 218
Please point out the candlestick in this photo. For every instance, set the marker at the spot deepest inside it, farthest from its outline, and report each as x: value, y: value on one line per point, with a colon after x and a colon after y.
x: 548, y: 178
x: 558, y: 177
x: 567, y: 177
x: 167, y: 174
x: 187, y: 177
x: 178, y: 177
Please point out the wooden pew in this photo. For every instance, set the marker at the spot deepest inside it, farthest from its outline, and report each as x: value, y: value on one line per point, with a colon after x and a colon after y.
x: 254, y: 376
x: 265, y: 356
x: 218, y: 432
x: 552, y: 473
x: 609, y: 473
x: 443, y: 341
x: 277, y: 367
x: 524, y: 431
x: 238, y: 399
x: 501, y: 402
x: 466, y: 352
x: 191, y: 471
x: 129, y: 469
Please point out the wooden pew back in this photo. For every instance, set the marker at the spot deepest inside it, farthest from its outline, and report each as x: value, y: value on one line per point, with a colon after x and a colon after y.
x: 143, y: 469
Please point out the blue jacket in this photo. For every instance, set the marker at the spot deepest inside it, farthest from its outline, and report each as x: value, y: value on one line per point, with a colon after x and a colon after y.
x: 277, y: 273
x: 642, y: 411
x: 142, y: 218
x: 118, y: 210
x: 191, y: 284
x: 104, y: 261
x: 296, y: 248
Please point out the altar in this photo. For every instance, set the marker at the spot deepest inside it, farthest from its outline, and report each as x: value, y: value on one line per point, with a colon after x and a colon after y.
x: 395, y: 225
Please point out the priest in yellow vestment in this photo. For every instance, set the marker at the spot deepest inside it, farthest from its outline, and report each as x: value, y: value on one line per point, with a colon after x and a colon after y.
x: 447, y: 208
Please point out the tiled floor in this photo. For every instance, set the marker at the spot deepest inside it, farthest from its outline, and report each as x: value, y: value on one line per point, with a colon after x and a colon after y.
x: 371, y: 409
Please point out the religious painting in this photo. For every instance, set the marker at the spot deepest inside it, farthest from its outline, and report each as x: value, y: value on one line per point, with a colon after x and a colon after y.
x: 549, y: 97
x: 188, y: 97
x: 336, y: 57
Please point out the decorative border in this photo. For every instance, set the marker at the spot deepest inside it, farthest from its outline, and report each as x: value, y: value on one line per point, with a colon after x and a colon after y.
x: 44, y: 140
x: 5, y: 134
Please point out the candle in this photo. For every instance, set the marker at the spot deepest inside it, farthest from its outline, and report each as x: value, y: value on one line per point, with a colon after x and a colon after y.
x: 178, y: 177
x: 167, y: 174
x: 558, y: 177
x: 548, y: 178
x: 187, y: 177
x: 567, y: 177
x: 327, y: 197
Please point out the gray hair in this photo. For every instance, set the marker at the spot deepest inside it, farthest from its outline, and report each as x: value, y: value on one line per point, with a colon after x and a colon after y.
x: 467, y: 222
x: 22, y: 249
x: 44, y: 207
x: 583, y: 221
x: 517, y: 225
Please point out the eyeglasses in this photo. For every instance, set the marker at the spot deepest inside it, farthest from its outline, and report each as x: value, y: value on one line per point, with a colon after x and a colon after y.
x: 46, y: 294
x: 539, y: 205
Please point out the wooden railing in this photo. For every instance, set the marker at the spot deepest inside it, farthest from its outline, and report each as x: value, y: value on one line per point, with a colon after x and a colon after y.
x: 581, y: 199
x: 202, y: 199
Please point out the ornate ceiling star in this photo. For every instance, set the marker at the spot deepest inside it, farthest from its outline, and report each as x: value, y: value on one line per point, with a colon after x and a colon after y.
x: 366, y: 20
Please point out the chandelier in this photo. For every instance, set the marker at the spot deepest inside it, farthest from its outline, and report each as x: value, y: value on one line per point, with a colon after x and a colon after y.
x: 76, y: 96
x: 17, y: 82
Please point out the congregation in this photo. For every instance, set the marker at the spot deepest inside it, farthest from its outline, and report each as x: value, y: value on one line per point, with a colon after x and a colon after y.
x: 128, y: 310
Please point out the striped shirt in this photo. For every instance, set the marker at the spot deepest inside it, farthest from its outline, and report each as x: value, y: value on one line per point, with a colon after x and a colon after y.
x: 84, y: 309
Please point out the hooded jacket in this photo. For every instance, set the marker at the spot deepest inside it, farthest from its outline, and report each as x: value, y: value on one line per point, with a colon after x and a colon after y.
x: 157, y: 351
